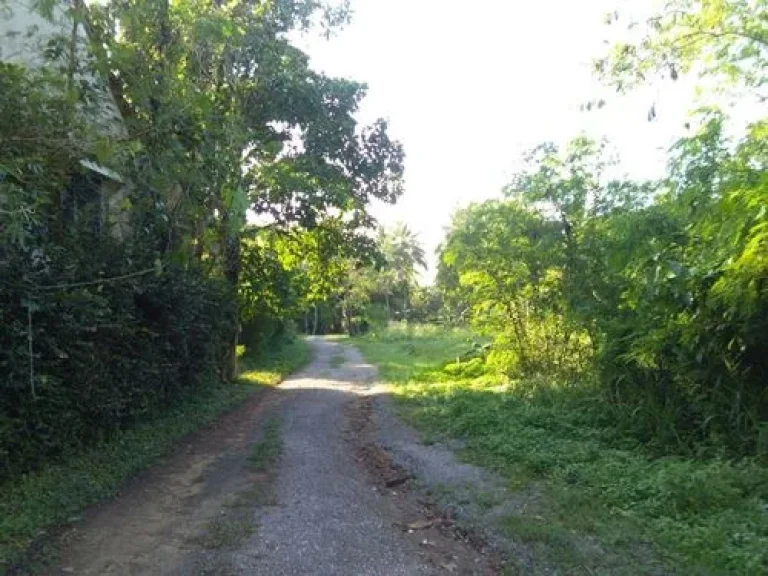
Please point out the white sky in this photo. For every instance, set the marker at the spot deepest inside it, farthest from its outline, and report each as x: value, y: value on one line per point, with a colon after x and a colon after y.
x: 469, y: 86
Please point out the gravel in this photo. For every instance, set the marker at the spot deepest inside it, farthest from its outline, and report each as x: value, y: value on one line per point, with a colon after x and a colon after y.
x: 329, y: 520
x: 323, y: 509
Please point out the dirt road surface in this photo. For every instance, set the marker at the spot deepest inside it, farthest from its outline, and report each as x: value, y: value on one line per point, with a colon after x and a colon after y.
x: 294, y: 482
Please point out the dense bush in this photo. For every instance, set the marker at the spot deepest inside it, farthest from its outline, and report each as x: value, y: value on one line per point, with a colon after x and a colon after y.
x: 96, y: 333
x: 267, y: 332
x: 103, y: 355
x: 657, y: 291
x: 684, y: 352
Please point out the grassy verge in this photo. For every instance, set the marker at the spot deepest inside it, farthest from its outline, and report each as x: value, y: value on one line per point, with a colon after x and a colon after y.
x: 237, y: 521
x: 37, y: 502
x: 599, y: 503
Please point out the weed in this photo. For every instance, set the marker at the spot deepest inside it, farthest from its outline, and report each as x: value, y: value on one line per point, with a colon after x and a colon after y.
x: 226, y: 532
x: 267, y: 450
x: 697, y: 515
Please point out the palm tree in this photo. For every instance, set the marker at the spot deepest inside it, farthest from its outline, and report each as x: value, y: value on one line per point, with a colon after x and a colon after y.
x: 403, y: 252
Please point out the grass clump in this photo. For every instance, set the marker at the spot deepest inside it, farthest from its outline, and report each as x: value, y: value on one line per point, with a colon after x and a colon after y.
x: 34, y: 503
x: 267, y: 450
x: 269, y: 367
x: 226, y: 532
x: 696, y: 515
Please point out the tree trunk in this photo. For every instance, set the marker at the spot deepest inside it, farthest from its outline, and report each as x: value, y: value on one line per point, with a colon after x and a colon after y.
x: 520, y: 334
x: 406, y: 303
x: 231, y: 243
x: 346, y: 325
x: 314, y: 326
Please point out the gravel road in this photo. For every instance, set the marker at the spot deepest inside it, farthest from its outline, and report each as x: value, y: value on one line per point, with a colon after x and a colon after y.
x: 334, y: 502
x: 329, y: 519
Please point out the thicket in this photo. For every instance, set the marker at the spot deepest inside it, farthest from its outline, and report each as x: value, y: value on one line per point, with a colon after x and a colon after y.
x: 658, y: 291
x: 131, y: 150
x: 102, y: 358
x: 96, y: 333
x: 654, y: 295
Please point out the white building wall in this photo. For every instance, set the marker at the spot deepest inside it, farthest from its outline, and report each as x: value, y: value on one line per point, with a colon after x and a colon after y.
x: 34, y: 40
x: 30, y: 39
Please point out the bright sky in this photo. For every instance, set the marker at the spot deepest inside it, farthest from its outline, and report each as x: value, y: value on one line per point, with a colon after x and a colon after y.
x: 469, y: 86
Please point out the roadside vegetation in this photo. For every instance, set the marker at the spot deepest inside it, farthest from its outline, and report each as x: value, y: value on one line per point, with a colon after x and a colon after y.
x: 583, y: 475
x: 136, y: 137
x: 41, y: 501
x: 596, y: 337
x: 603, y: 339
x: 134, y: 145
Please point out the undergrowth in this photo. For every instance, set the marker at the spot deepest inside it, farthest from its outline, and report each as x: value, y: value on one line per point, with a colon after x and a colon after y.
x: 692, y: 515
x: 33, y: 504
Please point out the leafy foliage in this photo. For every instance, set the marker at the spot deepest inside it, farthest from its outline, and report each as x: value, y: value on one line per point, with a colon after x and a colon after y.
x: 721, y: 39
x: 127, y: 170
x: 510, y: 275
x: 337, y: 279
x: 655, y: 288
x: 580, y: 478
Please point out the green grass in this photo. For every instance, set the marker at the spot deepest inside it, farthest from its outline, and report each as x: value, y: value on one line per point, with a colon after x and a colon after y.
x: 226, y: 532
x: 267, y: 450
x: 37, y: 502
x: 403, y: 351
x: 592, y: 484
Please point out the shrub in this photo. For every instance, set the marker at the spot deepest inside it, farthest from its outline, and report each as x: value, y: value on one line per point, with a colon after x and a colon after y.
x: 104, y: 355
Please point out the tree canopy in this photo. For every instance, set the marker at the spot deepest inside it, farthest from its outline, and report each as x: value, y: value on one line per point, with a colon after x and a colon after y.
x: 718, y: 40
x: 134, y: 150
x: 654, y: 290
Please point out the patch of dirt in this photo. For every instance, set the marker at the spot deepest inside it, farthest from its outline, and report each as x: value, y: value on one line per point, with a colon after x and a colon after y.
x: 163, y: 518
x: 445, y: 544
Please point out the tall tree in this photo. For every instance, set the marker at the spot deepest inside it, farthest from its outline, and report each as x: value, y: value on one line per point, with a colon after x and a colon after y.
x: 226, y: 115
x: 403, y: 254
x: 725, y: 41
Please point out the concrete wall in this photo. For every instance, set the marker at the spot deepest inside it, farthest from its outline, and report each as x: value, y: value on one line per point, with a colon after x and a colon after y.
x: 33, y: 40
x: 25, y: 34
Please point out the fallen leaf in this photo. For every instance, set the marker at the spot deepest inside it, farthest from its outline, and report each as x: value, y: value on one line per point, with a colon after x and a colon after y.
x: 421, y: 524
